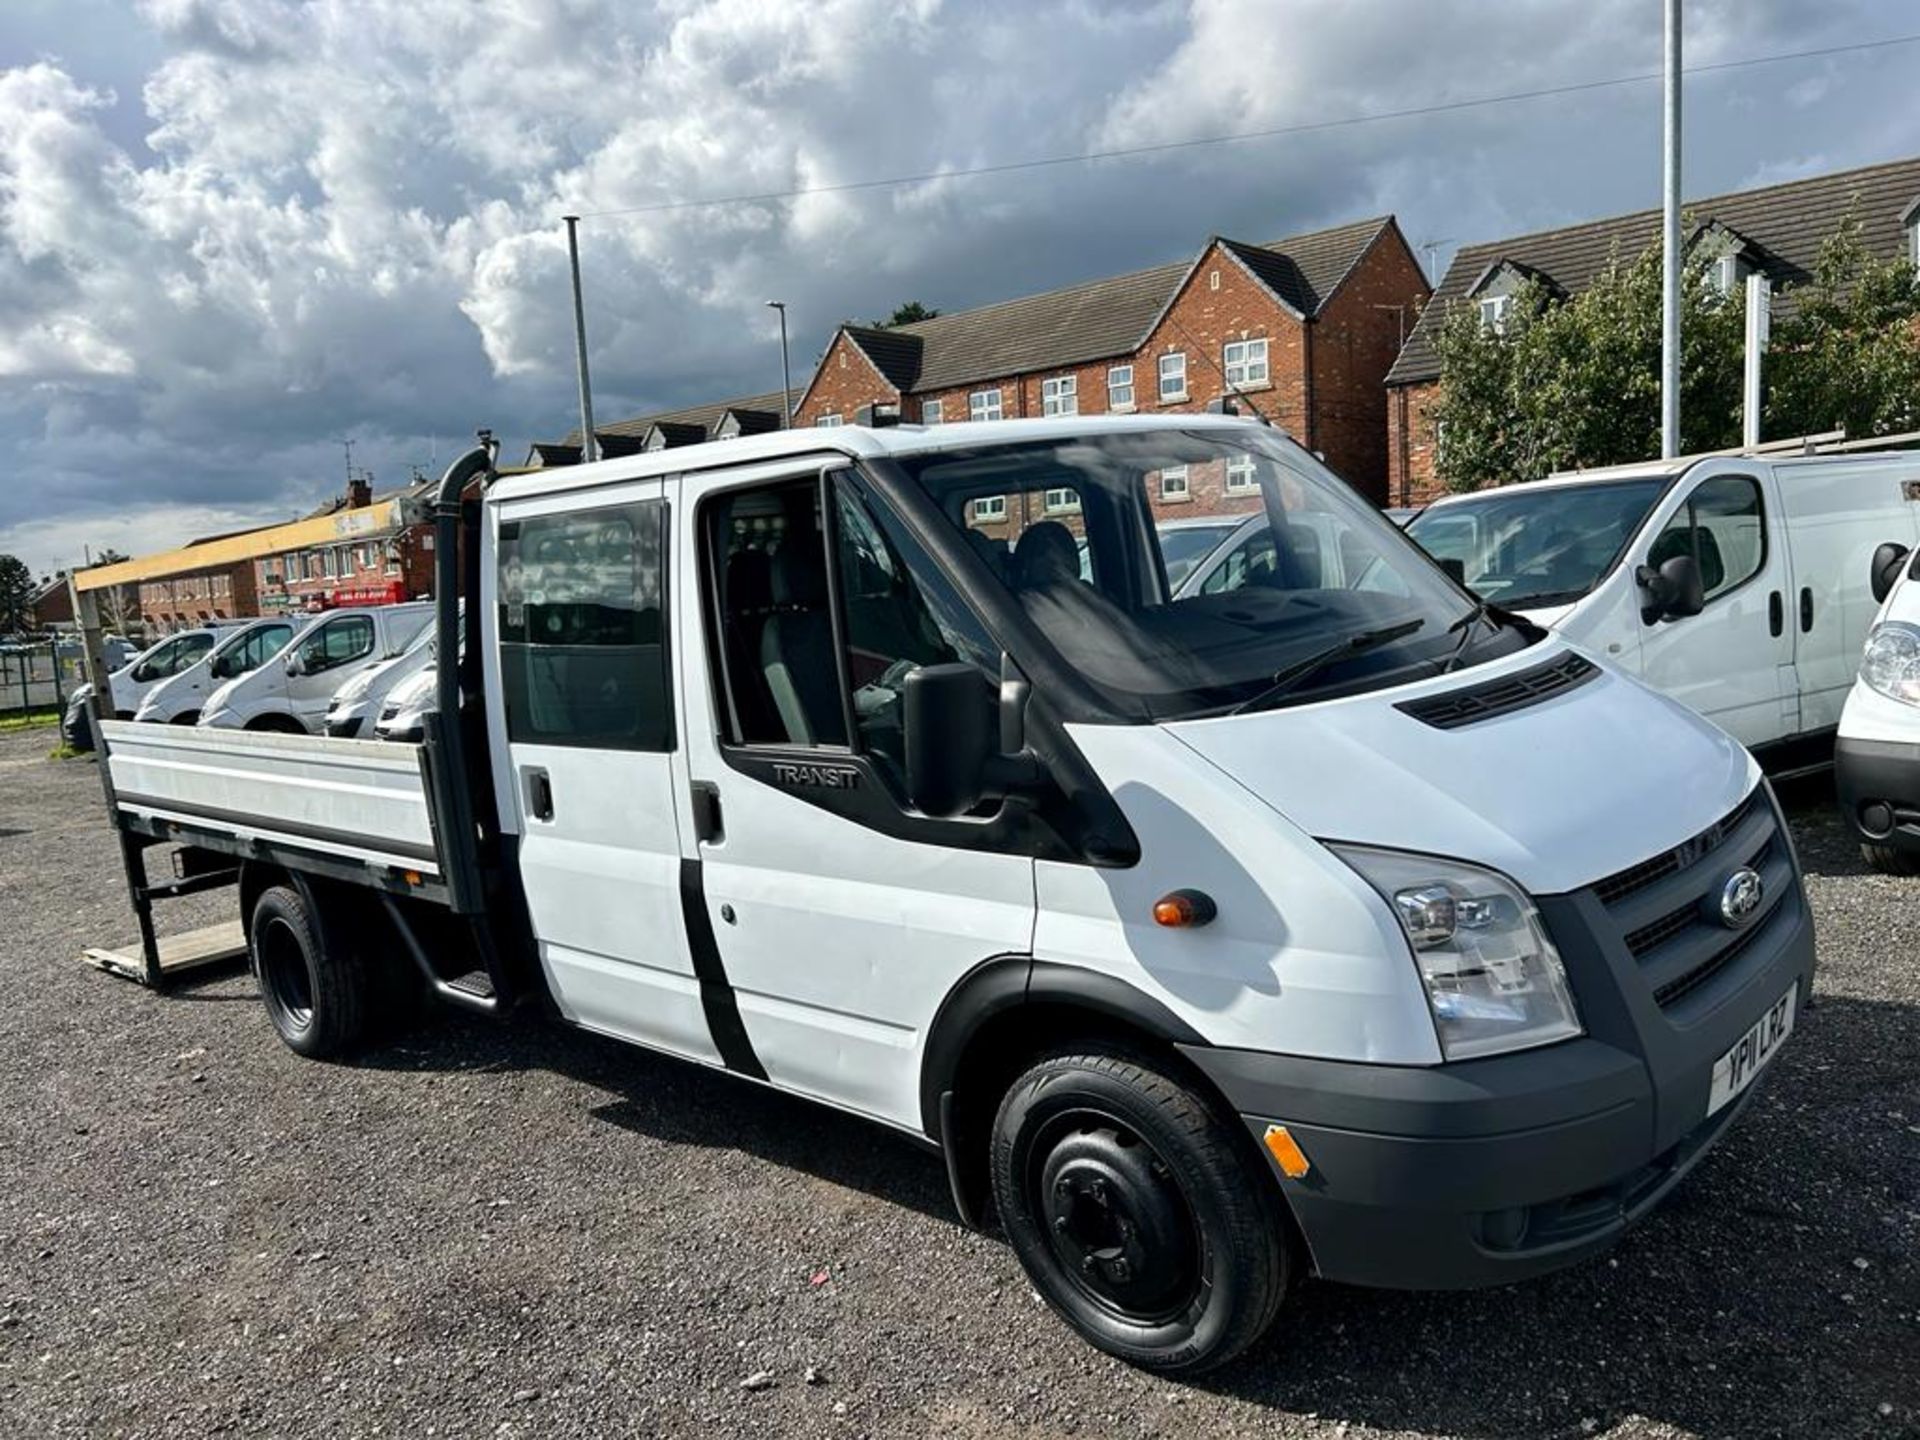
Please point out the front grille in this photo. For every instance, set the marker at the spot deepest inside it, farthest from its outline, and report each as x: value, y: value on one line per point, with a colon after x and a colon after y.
x: 1454, y: 708
x: 1667, y: 908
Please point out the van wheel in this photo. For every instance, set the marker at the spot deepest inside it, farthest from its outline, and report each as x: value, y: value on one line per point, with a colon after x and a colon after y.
x: 1140, y: 1215
x: 276, y: 724
x: 315, y: 993
x: 186, y: 717
x: 1890, y: 861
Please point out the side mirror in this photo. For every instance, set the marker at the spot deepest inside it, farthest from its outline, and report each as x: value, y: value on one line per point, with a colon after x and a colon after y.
x: 222, y: 667
x: 1457, y: 568
x: 295, y: 666
x: 1674, y: 591
x: 1884, y: 569
x: 948, y: 714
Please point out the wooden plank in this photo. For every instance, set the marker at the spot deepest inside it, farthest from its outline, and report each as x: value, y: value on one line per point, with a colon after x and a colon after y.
x: 189, y: 950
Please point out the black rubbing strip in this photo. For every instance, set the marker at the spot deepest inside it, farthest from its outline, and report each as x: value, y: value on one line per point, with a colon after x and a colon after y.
x: 716, y: 995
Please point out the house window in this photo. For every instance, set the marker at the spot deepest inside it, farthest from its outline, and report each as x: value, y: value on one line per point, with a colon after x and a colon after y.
x: 1245, y: 362
x: 1064, y: 500
x: 393, y: 557
x: 984, y: 404
x: 1213, y: 280
x: 1060, y: 395
x: 1240, y: 477
x: 929, y: 412
x: 1120, y: 387
x: 989, y: 508
x: 329, y: 564
x: 1173, y: 483
x: 828, y: 421
x: 1173, y: 376
x: 1493, y: 312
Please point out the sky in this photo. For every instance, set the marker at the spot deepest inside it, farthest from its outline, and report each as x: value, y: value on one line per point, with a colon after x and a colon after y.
x: 234, y: 233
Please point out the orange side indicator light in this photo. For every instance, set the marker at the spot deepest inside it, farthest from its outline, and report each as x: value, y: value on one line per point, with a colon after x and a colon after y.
x: 1183, y: 909
x: 1287, y: 1153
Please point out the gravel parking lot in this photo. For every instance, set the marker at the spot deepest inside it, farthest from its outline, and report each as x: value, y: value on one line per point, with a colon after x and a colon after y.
x: 528, y: 1232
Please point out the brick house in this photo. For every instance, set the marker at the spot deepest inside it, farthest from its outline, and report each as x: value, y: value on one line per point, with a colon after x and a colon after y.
x: 378, y: 551
x: 194, y: 595
x: 693, y: 425
x: 1304, y: 328
x: 1777, y: 231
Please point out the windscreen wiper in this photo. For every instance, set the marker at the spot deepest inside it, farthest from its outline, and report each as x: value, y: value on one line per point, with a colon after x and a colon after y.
x: 1465, y: 625
x: 1287, y: 679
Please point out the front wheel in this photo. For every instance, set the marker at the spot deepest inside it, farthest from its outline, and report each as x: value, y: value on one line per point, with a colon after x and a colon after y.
x: 1142, y: 1217
x: 1890, y: 860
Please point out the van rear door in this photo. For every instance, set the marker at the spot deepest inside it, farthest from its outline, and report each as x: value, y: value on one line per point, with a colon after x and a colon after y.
x: 1834, y: 514
x: 580, y: 704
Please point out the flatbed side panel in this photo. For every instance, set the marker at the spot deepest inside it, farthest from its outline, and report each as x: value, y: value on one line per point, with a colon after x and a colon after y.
x: 362, y: 798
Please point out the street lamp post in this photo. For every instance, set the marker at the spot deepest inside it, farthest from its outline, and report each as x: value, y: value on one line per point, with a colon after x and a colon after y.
x: 786, y: 372
x: 589, y: 450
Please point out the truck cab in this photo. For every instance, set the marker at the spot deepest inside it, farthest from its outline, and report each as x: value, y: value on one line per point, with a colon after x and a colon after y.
x: 1737, y: 584
x: 1328, y: 922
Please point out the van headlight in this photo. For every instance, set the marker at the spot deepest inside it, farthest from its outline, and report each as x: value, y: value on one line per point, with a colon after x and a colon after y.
x: 1891, y: 661
x: 1493, y: 979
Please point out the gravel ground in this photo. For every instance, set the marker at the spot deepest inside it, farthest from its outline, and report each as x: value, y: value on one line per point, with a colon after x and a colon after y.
x: 531, y: 1232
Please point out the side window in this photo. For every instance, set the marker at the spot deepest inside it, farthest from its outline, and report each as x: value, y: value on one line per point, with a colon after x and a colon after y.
x: 161, y: 663
x: 336, y: 643
x: 193, y: 650
x: 583, y: 629
x: 785, y: 680
x: 1722, y: 526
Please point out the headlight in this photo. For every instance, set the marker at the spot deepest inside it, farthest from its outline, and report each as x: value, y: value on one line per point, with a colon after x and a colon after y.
x: 1891, y: 662
x: 1492, y: 977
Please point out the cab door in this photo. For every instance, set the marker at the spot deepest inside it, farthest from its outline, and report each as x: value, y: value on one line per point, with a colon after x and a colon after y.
x: 1733, y: 662
x: 837, y: 917
x: 579, y: 660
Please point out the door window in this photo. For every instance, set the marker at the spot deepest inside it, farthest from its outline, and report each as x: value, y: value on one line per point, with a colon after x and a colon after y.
x: 258, y: 647
x: 1722, y: 526
x: 583, y: 629
x: 795, y: 673
x: 336, y: 643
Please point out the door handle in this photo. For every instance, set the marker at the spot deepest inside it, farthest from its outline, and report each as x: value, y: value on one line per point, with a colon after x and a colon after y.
x: 707, y: 827
x: 539, y: 794
x: 1776, y: 614
x: 1806, y: 608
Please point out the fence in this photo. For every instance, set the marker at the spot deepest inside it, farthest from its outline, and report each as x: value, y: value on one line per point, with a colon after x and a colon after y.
x: 38, y: 676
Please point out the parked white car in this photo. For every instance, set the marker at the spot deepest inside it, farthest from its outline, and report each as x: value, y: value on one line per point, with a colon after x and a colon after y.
x: 178, y: 701
x: 1737, y: 584
x: 291, y: 694
x: 1877, y: 757
x: 357, y: 704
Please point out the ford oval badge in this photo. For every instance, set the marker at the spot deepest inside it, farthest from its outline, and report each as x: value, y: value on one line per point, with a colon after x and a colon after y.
x: 1740, y: 897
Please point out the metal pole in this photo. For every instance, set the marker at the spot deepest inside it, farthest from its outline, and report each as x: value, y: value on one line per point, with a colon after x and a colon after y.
x: 1759, y: 310
x: 589, y: 450
x: 1670, y: 279
x: 59, y: 694
x: 786, y: 373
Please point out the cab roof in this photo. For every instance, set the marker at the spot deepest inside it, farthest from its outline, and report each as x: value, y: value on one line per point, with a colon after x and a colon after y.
x: 854, y: 441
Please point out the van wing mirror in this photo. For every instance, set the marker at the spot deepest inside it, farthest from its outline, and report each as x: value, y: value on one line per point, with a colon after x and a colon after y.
x: 1456, y: 568
x: 1884, y: 570
x: 949, y: 719
x: 295, y: 666
x: 1675, y: 591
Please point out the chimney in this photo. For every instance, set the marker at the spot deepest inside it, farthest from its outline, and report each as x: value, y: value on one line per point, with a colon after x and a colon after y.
x: 359, y: 492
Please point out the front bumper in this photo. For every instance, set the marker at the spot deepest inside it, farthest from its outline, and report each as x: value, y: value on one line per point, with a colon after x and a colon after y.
x: 345, y: 726
x: 1879, y: 787
x: 1493, y: 1170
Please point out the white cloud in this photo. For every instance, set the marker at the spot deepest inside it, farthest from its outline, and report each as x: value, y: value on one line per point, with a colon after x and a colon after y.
x: 241, y: 229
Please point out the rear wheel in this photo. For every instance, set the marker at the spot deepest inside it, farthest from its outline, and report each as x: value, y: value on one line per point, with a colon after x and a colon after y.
x: 315, y: 991
x: 1140, y: 1213
x: 1889, y: 860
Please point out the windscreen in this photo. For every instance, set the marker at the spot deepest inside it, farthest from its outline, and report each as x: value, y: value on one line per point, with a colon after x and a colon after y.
x: 1324, y: 595
x: 1539, y: 546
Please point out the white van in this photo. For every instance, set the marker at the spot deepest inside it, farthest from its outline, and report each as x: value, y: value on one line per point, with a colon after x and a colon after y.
x: 1737, y: 584
x: 153, y: 667
x: 357, y: 704
x: 178, y: 700
x: 1210, y: 940
x: 1877, y: 756
x: 292, y: 692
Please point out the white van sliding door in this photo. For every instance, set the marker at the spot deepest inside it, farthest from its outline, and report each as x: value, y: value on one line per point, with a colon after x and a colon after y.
x: 586, y: 702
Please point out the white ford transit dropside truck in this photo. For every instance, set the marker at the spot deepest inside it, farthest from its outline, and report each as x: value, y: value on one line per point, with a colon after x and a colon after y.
x: 1737, y: 584
x: 1349, y: 929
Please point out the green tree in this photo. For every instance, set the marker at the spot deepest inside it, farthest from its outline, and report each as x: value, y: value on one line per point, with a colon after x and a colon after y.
x: 1576, y: 383
x: 1847, y: 352
x: 906, y: 314
x: 16, y: 593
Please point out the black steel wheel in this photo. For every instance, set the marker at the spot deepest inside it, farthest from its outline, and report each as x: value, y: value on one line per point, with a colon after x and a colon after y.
x: 315, y: 992
x: 1143, y: 1217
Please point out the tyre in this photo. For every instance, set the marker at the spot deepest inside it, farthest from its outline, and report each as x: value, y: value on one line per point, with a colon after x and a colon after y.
x: 315, y: 992
x: 1142, y: 1215
x: 276, y: 724
x: 1889, y: 860
x: 186, y: 717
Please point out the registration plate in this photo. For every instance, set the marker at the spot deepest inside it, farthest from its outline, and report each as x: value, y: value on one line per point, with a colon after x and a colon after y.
x: 1734, y: 1071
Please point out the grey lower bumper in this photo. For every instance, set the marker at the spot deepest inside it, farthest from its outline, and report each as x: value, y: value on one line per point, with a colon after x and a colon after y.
x: 1879, y: 787
x: 1495, y: 1170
